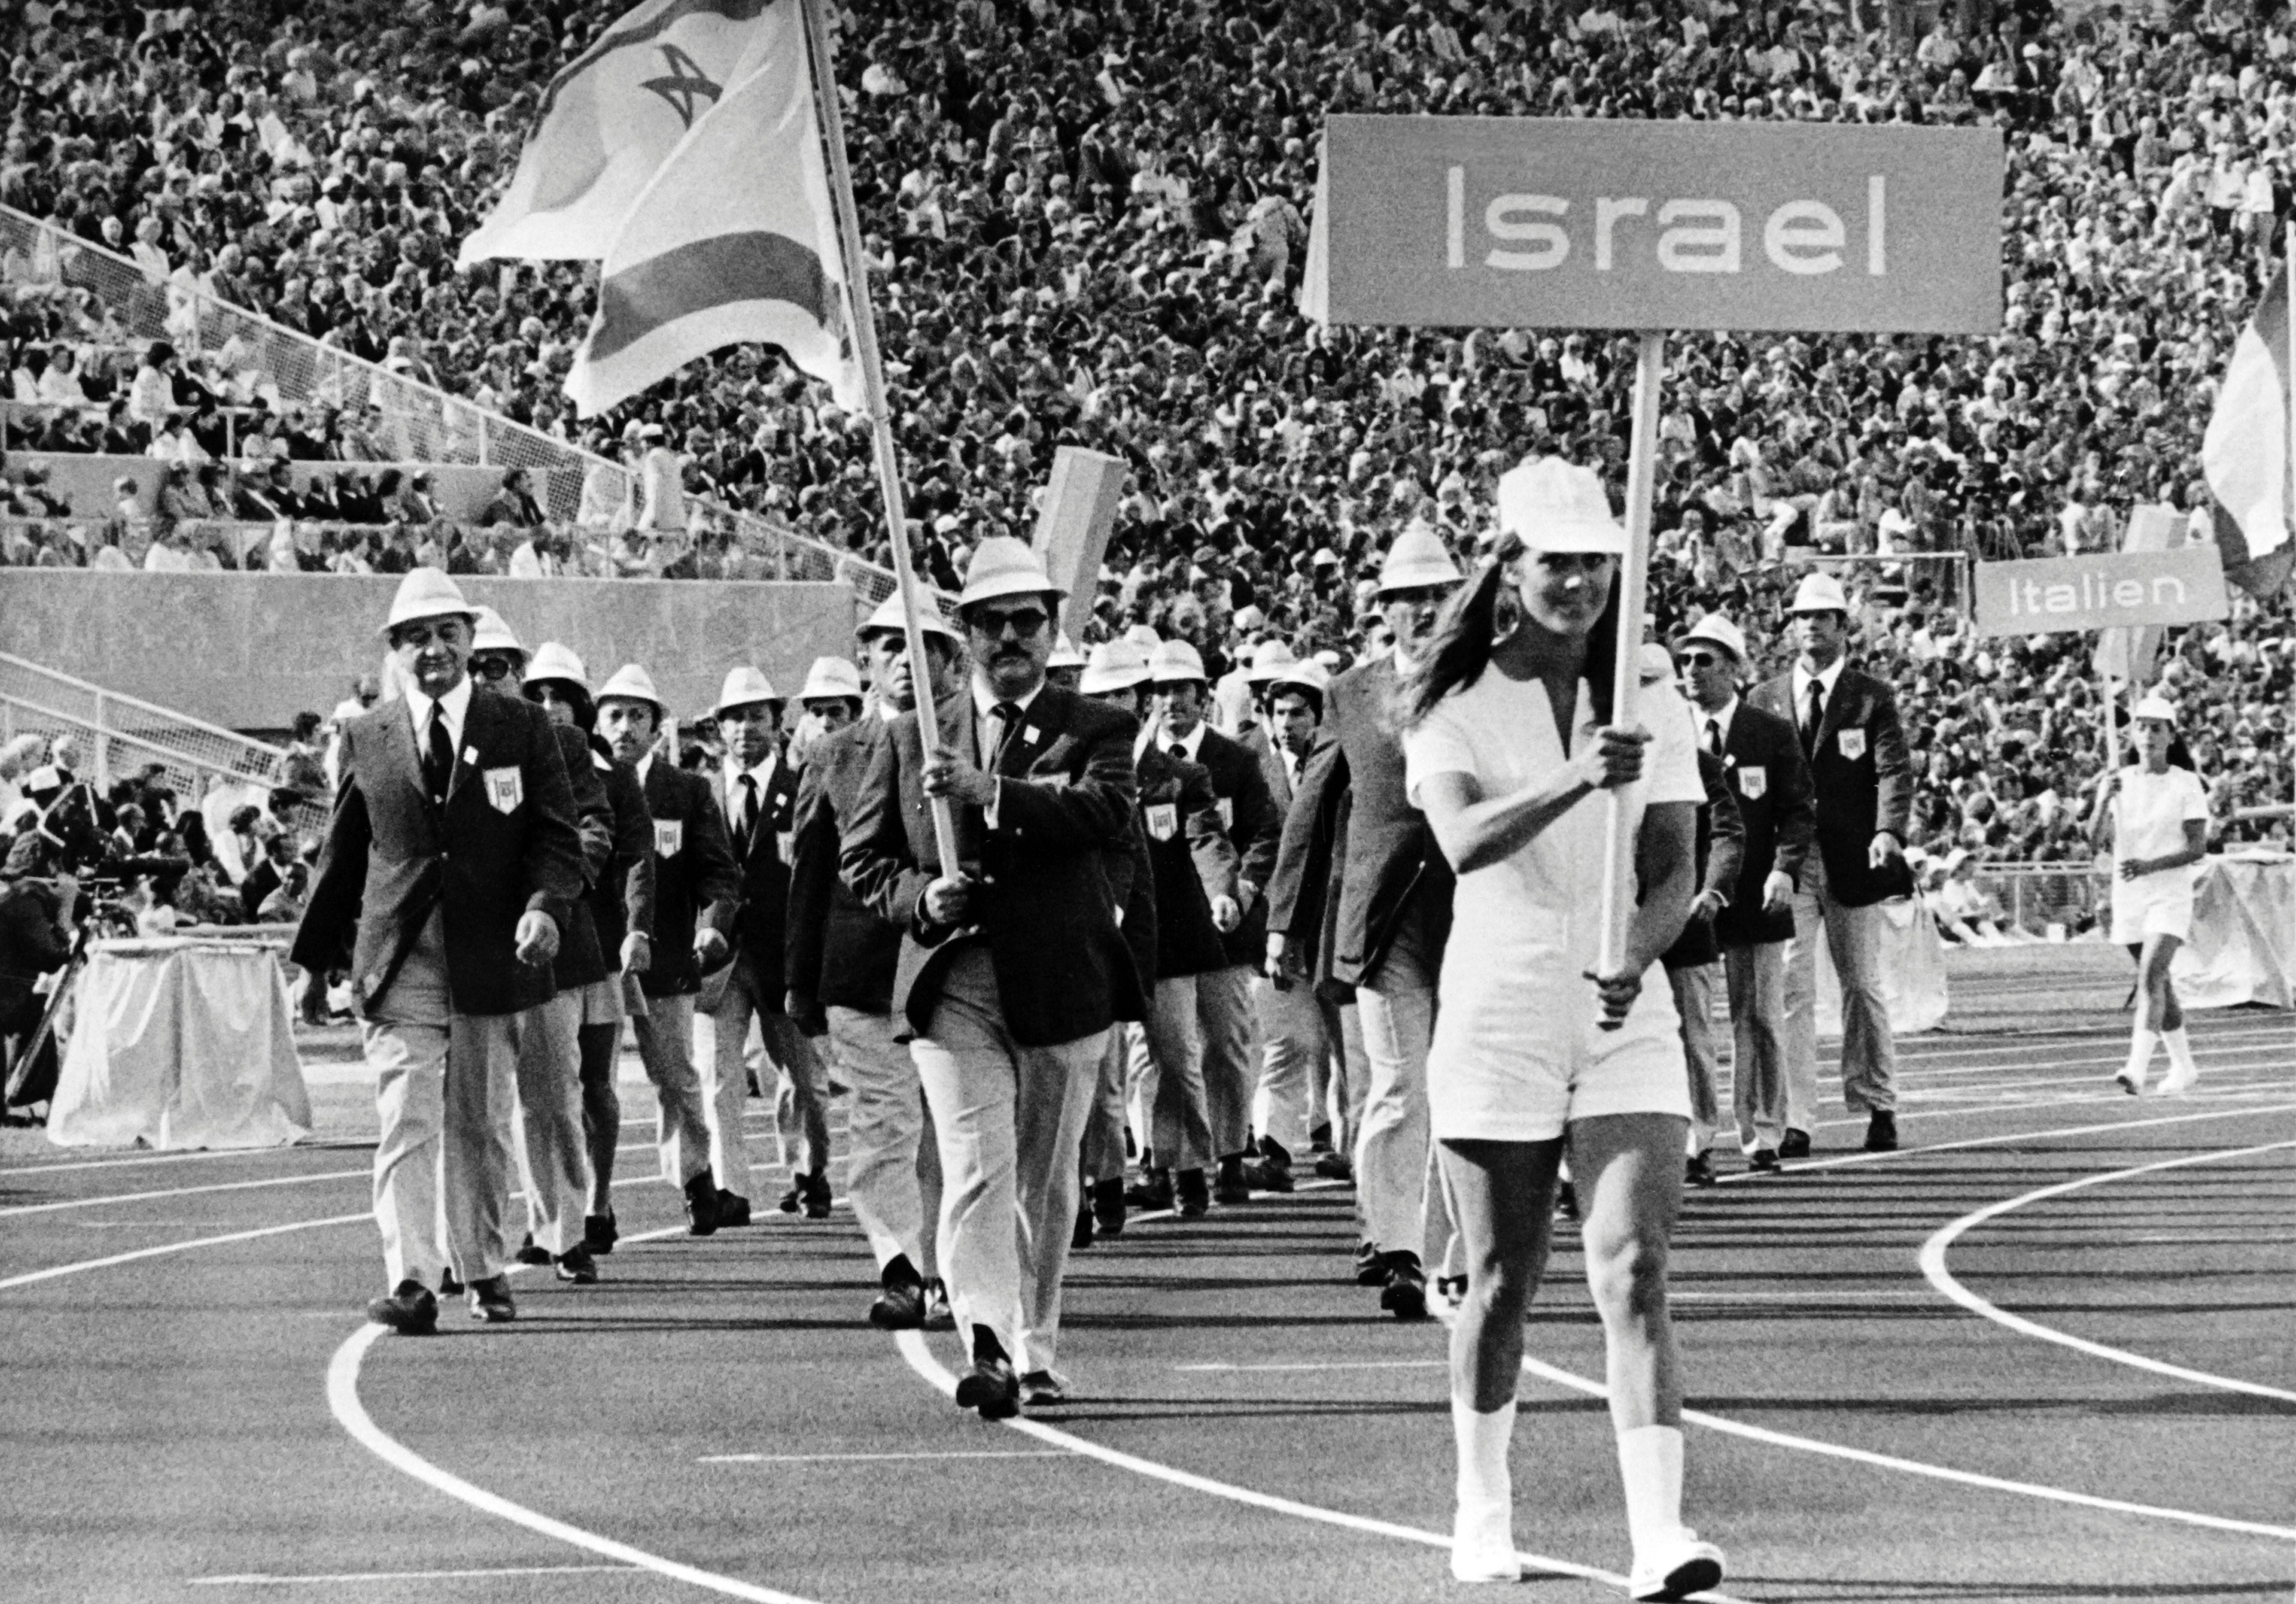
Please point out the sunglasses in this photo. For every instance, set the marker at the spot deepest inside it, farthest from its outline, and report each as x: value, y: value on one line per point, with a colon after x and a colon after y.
x: 492, y: 668
x: 1026, y: 624
x: 1701, y: 660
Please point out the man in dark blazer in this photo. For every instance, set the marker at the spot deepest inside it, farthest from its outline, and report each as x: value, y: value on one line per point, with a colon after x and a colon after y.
x: 1225, y: 1006
x: 1392, y: 917
x: 1011, y: 970
x: 1847, y: 726
x: 695, y: 885
x: 838, y: 965
x: 450, y: 859
x: 1770, y: 777
x: 757, y: 793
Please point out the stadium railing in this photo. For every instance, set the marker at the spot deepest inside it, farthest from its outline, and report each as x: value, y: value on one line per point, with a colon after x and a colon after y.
x: 422, y: 423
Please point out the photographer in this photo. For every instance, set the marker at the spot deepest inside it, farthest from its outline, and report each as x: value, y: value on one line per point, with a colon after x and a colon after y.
x: 36, y: 938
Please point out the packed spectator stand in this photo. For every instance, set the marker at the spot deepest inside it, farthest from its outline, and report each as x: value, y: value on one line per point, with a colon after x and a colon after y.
x: 1088, y: 225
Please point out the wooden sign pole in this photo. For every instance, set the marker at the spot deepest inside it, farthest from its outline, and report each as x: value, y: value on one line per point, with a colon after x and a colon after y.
x: 1626, y: 680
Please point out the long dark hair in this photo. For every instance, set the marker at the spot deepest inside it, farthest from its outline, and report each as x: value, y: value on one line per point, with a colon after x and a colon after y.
x: 1459, y: 649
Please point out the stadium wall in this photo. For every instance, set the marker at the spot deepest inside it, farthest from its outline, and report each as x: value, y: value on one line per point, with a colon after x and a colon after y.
x: 249, y: 651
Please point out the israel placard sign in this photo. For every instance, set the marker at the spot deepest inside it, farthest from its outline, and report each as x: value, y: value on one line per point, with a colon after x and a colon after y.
x: 1504, y: 222
x: 2050, y: 595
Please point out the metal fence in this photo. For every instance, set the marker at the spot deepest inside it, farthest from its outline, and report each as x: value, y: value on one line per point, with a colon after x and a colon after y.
x: 2040, y: 901
x: 420, y: 423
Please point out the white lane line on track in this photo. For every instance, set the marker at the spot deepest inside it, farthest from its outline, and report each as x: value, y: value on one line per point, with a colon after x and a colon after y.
x: 856, y: 1458
x: 1348, y: 1364
x: 914, y: 1349
x: 1933, y: 1266
x: 52, y: 1271
x: 268, y: 1579
x: 1944, y: 1473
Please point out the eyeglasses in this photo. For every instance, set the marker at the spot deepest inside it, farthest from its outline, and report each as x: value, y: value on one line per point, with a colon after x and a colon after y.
x: 1026, y: 624
x: 1701, y: 660
x: 492, y: 668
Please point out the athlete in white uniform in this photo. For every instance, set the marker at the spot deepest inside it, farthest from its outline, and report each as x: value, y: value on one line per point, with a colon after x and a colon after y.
x: 1507, y: 750
x: 2155, y: 818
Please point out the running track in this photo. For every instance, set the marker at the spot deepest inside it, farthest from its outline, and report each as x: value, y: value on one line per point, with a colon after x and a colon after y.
x: 2042, y: 1354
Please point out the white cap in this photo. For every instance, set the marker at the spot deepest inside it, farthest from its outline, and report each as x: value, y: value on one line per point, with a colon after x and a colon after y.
x: 1175, y: 662
x: 491, y: 634
x: 426, y: 593
x: 1717, y: 631
x: 831, y: 677
x: 552, y: 660
x: 1819, y: 593
x: 633, y: 683
x: 1269, y: 659
x: 743, y: 686
x: 1004, y: 566
x: 1655, y: 662
x: 1144, y: 637
x: 892, y: 618
x: 1554, y: 505
x: 1309, y: 675
x: 1065, y: 654
x: 1417, y: 559
x: 2155, y: 707
x: 1115, y: 665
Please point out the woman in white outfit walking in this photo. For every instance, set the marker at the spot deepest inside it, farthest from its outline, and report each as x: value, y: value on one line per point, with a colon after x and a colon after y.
x: 2156, y: 819
x: 1508, y: 748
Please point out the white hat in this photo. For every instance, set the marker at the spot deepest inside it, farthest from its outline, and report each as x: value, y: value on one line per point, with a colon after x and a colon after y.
x: 1324, y: 557
x: 831, y: 677
x: 46, y: 777
x: 1175, y: 662
x: 743, y: 686
x: 1554, y: 505
x: 1655, y: 662
x: 1418, y: 558
x: 426, y: 593
x: 491, y: 634
x: 553, y: 660
x: 1065, y: 654
x: 632, y: 683
x: 1004, y: 566
x: 1144, y: 637
x: 1717, y: 631
x: 1309, y: 675
x: 1115, y: 665
x: 1251, y: 618
x: 1819, y: 593
x: 1269, y: 659
x: 2155, y: 707
x: 892, y: 618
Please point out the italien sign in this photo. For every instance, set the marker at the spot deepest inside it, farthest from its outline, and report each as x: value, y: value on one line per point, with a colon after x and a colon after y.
x: 2051, y: 595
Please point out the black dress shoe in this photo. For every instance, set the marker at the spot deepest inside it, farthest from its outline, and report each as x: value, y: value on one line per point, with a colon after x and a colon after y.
x: 576, y: 1265
x: 1882, y: 1132
x: 815, y: 1187
x: 1336, y: 1166
x: 1270, y: 1175
x: 490, y: 1300
x: 1108, y: 1207
x: 1370, y: 1265
x: 991, y: 1388
x: 794, y: 1199
x: 530, y: 1254
x: 1319, y: 1140
x: 937, y: 1314
x: 1698, y: 1170
x: 733, y: 1209
x: 450, y: 1285
x: 1230, y: 1187
x: 599, y: 1234
x: 701, y: 1206
x: 1190, y: 1198
x: 1566, y: 1200
x: 1764, y: 1161
x: 410, y: 1310
x: 1405, y: 1296
x: 1153, y: 1193
x: 1081, y: 1233
x: 900, y: 1306
x: 1795, y: 1145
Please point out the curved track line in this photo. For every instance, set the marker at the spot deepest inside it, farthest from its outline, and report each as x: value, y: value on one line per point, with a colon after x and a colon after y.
x: 1944, y: 1473
x: 343, y: 1399
x: 913, y: 1348
x: 54, y: 1272
x: 1933, y: 1266
x: 366, y: 1172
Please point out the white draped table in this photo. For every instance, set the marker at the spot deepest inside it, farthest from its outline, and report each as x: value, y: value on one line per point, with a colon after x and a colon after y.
x: 181, y: 1042
x: 2243, y: 945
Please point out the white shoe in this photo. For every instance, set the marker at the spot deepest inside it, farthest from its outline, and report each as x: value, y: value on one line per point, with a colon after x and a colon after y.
x: 1482, y: 1543
x: 1677, y: 1570
x: 2178, y: 1080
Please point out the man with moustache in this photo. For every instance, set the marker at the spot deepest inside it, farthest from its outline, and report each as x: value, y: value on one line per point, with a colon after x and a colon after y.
x: 1392, y: 918
x: 841, y: 962
x: 1011, y: 970
x: 1295, y: 1049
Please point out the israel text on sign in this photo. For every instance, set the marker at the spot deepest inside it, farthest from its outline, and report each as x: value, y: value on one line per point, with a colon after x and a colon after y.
x: 1570, y: 223
x: 2051, y: 595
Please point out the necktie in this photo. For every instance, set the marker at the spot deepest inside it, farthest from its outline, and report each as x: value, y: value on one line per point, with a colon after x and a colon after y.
x: 1817, y: 718
x: 1714, y: 736
x: 438, y: 755
x: 1008, y: 723
x: 749, y: 809
x: 1179, y: 750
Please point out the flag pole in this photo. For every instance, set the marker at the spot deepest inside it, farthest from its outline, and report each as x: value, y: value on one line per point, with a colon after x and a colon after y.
x: 1633, y: 582
x: 881, y: 421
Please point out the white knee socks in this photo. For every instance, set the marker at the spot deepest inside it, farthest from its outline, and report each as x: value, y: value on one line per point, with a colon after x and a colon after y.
x: 1483, y: 1439
x: 1650, y: 1464
x: 2140, y: 1055
x: 2184, y: 1071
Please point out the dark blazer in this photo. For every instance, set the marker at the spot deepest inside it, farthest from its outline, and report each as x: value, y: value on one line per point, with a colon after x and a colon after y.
x: 1190, y: 861
x: 1391, y: 854
x: 695, y: 883
x: 579, y: 960
x: 392, y: 855
x: 1770, y: 780
x: 622, y: 899
x: 760, y: 928
x: 1047, y: 903
x: 837, y: 951
x: 1862, y: 778
x: 31, y: 945
x: 1719, y: 851
x: 1254, y: 827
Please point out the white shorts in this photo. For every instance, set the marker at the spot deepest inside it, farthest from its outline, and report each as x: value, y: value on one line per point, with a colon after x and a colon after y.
x: 1487, y: 1093
x: 2141, y: 909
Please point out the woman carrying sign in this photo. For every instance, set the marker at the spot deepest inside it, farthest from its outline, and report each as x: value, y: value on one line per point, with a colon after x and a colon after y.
x: 1508, y: 748
x: 2156, y: 818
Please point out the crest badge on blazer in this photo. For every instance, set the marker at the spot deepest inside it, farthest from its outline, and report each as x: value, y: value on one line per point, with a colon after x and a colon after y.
x: 1163, y: 820
x: 669, y: 836
x: 1754, y: 781
x: 505, y: 789
x: 1227, y: 813
x: 1852, y: 742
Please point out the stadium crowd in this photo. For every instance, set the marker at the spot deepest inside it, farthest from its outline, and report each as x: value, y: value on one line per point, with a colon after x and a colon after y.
x: 1088, y: 225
